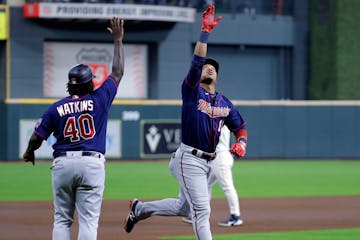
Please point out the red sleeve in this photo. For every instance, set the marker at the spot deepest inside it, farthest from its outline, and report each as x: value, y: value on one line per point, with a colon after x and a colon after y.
x: 241, y: 133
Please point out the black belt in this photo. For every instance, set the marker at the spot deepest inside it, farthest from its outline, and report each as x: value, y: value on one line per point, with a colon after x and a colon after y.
x: 83, y: 153
x: 204, y: 155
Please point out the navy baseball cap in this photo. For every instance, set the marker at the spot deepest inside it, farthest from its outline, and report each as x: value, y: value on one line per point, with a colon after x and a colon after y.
x: 214, y: 63
x: 80, y: 73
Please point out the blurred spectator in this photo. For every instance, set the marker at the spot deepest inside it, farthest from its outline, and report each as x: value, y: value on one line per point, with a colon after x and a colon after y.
x: 221, y: 5
x: 184, y: 3
x: 154, y: 2
x: 236, y: 6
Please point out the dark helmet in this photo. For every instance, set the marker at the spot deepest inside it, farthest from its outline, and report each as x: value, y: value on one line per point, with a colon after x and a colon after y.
x: 214, y: 63
x: 79, y: 74
x: 80, y: 80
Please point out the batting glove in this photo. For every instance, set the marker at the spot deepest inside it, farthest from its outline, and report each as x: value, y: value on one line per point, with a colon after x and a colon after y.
x: 239, y: 148
x: 208, y: 22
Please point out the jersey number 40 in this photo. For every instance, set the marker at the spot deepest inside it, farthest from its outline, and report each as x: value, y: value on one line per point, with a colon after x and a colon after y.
x: 81, y: 128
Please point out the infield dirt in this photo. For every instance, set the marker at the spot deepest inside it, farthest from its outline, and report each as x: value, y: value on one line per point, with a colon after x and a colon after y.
x: 33, y: 220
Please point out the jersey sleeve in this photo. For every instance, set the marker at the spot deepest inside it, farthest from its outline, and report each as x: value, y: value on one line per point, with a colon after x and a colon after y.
x: 192, y: 79
x: 191, y: 82
x: 44, y: 127
x: 234, y: 121
x: 107, y: 91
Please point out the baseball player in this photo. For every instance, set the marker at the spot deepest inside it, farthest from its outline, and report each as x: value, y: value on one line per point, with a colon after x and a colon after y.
x: 204, y: 112
x: 221, y: 172
x: 78, y: 123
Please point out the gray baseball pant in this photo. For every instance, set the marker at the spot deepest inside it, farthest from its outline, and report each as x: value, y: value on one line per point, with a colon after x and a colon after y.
x: 192, y: 175
x: 78, y: 182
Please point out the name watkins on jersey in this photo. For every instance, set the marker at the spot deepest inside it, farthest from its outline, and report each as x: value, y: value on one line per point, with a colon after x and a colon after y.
x: 212, y: 112
x: 75, y: 107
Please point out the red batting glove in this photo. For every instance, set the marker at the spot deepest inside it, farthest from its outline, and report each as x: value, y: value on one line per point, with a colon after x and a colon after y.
x: 208, y: 22
x: 238, y: 149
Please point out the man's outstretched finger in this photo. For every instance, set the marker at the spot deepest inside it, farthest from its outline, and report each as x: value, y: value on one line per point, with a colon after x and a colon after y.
x: 217, y: 20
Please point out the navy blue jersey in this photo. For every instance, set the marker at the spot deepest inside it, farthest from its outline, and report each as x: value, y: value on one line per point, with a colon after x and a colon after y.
x: 79, y: 124
x: 203, y: 114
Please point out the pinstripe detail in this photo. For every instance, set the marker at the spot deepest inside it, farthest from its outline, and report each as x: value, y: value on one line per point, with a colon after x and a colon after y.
x: 187, y: 190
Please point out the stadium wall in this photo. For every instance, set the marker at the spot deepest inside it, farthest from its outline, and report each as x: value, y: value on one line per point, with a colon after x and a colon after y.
x: 277, y: 130
x: 262, y: 57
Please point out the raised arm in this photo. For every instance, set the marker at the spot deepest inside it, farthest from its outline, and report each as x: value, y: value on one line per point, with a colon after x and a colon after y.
x: 207, y: 25
x: 117, y: 31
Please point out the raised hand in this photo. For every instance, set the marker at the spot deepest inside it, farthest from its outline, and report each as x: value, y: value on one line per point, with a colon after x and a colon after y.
x: 208, y: 22
x: 116, y: 28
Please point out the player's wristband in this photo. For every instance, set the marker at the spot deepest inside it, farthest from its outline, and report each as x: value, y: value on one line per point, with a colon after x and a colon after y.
x: 204, y: 37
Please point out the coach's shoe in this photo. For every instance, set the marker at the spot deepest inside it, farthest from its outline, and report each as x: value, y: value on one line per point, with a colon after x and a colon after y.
x: 232, y: 221
x: 187, y: 219
x: 131, y: 220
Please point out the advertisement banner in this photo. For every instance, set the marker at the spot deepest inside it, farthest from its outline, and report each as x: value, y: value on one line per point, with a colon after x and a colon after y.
x: 105, y: 11
x: 26, y: 126
x: 59, y: 57
x: 159, y: 138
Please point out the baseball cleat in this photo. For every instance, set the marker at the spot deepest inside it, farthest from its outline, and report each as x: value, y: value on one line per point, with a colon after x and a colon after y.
x: 187, y: 219
x: 131, y: 220
x: 232, y: 221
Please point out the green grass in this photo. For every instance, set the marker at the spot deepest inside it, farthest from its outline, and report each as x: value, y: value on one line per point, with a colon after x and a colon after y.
x: 334, y: 234
x: 295, y: 178
x: 152, y: 179
x: 22, y: 181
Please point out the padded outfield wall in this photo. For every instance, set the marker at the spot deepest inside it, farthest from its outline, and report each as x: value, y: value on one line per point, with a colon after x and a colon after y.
x: 151, y: 129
